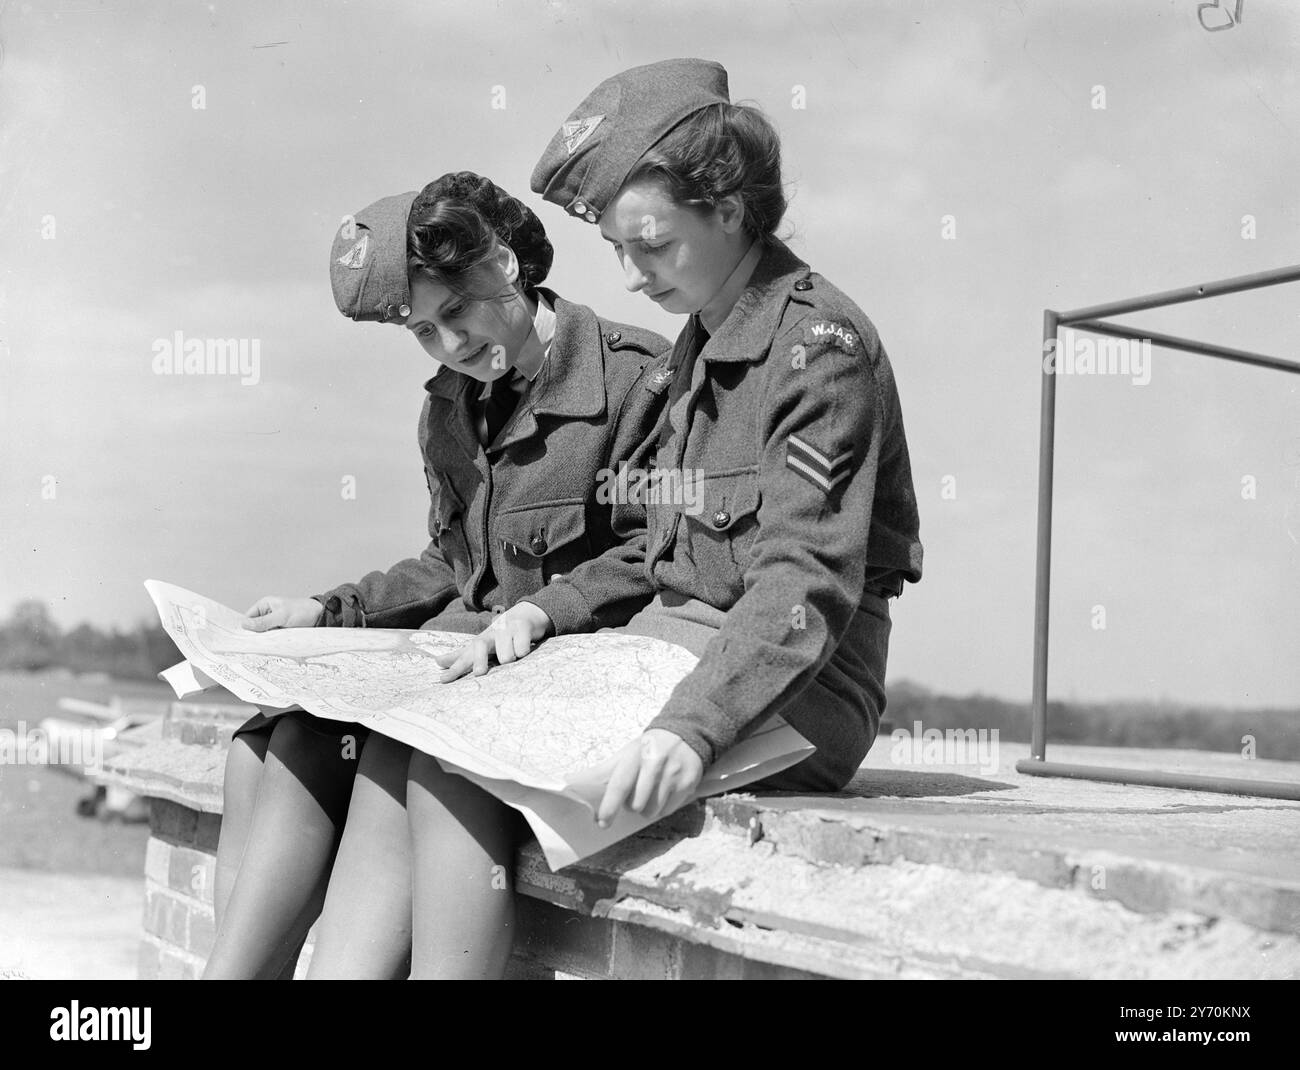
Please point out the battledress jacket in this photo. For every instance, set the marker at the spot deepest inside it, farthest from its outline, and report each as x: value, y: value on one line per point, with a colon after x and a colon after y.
x: 525, y: 516
x: 805, y: 520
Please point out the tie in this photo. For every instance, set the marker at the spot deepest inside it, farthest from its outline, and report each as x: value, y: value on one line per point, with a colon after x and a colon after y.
x: 500, y: 404
x: 678, y: 395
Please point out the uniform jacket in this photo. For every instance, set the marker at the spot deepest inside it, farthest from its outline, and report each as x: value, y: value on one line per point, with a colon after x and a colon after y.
x: 794, y: 432
x: 528, y: 503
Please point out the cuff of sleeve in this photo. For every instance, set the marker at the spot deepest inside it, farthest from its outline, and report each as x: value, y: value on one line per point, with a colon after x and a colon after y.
x: 342, y: 609
x: 695, y: 735
x: 565, y: 606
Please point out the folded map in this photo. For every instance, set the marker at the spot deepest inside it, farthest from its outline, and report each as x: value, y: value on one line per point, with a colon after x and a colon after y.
x: 536, y: 733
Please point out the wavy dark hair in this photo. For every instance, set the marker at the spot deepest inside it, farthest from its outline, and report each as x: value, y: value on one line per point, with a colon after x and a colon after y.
x: 720, y: 150
x: 454, y: 224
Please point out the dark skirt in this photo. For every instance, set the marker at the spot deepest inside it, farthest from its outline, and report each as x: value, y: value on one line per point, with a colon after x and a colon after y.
x: 838, y: 712
x: 322, y: 726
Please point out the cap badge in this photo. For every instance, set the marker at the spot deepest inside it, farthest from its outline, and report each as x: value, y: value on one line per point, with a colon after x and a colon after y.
x: 577, y: 131
x: 356, y: 256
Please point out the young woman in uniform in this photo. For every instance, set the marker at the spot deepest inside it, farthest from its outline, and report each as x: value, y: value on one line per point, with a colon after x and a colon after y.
x: 783, y: 406
x: 535, y: 398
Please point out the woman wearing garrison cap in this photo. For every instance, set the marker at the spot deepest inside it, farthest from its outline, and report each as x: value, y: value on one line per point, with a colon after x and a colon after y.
x: 535, y: 397
x: 783, y: 405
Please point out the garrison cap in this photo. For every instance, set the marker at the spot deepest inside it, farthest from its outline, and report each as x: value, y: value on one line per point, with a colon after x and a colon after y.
x: 620, y: 121
x: 368, y: 262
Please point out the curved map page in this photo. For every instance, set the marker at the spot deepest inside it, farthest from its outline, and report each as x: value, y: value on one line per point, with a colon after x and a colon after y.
x: 538, y: 733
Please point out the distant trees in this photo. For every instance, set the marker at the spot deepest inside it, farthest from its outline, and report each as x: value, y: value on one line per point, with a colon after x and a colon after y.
x: 1276, y: 732
x: 31, y: 640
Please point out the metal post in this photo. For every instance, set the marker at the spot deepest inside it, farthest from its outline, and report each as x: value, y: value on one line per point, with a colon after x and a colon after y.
x: 1089, y: 319
x: 1043, y: 574
x: 1155, y: 778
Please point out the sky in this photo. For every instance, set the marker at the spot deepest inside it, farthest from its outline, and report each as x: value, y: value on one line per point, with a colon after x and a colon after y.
x: 955, y: 167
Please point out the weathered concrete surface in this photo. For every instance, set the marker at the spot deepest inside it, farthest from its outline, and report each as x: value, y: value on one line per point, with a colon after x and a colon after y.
x: 954, y: 871
x: 917, y: 871
x: 899, y: 920
x: 1152, y: 849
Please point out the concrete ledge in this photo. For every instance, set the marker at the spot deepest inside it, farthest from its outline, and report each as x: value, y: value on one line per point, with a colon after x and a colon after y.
x: 182, y: 757
x: 1262, y: 891
x: 754, y: 903
x: 914, y: 872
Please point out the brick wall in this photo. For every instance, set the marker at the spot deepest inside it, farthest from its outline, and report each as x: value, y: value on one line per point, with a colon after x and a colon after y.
x: 553, y: 942
x: 560, y: 931
x: 179, y: 865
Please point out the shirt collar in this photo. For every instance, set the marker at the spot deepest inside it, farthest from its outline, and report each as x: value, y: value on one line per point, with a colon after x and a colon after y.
x: 745, y: 333
x: 573, y: 386
x: 537, y: 349
x: 531, y: 360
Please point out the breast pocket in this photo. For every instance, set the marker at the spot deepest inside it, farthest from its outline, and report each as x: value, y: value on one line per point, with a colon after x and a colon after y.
x: 722, y: 523
x: 540, y: 543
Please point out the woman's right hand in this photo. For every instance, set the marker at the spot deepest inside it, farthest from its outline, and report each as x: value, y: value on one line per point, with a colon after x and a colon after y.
x: 275, y: 612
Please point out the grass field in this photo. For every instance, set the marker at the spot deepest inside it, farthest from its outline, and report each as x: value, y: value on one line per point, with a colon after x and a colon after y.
x: 39, y: 826
x: 73, y: 886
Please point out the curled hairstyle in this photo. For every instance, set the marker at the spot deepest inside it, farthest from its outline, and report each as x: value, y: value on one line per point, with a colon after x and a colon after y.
x: 720, y: 150
x: 455, y: 223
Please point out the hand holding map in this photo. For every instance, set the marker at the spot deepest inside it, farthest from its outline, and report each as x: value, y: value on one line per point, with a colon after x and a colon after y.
x: 530, y: 732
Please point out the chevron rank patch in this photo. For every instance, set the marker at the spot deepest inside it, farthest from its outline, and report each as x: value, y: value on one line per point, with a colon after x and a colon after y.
x: 835, y: 333
x: 821, y: 471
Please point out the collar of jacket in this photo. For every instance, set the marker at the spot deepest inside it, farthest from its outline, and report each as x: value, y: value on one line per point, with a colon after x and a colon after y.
x: 753, y: 320
x: 571, y: 382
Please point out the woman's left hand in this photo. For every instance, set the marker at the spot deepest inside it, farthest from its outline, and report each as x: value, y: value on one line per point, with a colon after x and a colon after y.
x: 653, y: 775
x: 510, y: 637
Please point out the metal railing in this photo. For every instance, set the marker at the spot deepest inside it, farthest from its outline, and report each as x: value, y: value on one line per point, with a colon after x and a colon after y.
x: 1092, y: 319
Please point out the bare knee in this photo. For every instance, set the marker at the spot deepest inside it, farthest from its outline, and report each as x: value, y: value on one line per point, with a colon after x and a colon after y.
x: 385, y: 762
x: 431, y: 783
x: 445, y: 808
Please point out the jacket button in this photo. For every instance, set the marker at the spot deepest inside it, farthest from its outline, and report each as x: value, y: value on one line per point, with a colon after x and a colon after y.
x: 614, y: 337
x: 721, y: 518
x: 803, y: 284
x: 538, y: 545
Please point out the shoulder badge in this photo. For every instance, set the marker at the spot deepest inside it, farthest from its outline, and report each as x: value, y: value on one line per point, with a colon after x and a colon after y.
x: 657, y: 382
x: 837, y: 334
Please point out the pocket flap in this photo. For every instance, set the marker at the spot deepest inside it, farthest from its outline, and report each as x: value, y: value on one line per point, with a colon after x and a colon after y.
x: 541, y: 529
x: 725, y: 500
